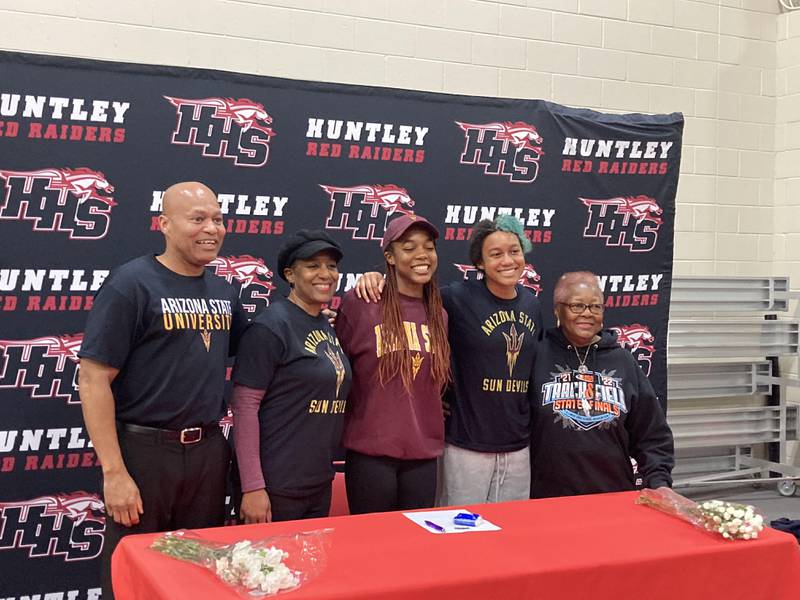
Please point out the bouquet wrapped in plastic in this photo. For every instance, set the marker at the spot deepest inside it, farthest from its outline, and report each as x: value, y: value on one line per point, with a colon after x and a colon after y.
x: 253, y: 568
x: 731, y: 520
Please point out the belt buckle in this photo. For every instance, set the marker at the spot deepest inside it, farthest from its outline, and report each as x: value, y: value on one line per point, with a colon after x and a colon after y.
x: 191, y: 435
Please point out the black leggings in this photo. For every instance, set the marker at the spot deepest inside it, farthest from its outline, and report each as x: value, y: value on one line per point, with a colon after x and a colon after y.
x: 314, y: 505
x: 382, y: 483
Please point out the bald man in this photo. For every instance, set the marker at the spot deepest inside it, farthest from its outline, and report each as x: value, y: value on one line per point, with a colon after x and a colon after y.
x: 152, y: 377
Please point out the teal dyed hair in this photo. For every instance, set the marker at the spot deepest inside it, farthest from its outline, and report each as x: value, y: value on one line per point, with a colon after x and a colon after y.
x: 511, y: 224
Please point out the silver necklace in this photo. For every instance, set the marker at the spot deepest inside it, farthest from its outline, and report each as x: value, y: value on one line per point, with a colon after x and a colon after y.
x: 582, y: 368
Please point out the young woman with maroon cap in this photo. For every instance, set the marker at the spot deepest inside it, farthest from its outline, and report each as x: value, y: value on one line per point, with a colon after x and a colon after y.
x: 495, y: 326
x: 394, y: 426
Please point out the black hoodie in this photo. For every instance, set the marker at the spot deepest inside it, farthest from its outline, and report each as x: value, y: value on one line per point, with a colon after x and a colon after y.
x: 586, y: 426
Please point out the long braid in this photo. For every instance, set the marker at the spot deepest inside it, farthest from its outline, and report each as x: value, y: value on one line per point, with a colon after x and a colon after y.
x: 395, y: 359
x: 440, y: 347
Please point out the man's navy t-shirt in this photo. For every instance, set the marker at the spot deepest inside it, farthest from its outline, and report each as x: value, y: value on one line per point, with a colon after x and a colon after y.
x: 170, y: 336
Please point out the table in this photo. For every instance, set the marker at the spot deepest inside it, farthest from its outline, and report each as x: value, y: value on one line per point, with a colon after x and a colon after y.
x: 600, y: 546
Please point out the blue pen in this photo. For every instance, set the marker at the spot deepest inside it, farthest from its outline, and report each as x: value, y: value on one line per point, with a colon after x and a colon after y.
x: 435, y: 527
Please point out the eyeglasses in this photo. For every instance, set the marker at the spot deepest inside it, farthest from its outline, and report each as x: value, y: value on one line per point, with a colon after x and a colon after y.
x: 577, y: 308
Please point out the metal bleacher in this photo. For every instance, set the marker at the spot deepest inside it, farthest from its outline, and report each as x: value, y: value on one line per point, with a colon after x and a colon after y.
x: 726, y: 400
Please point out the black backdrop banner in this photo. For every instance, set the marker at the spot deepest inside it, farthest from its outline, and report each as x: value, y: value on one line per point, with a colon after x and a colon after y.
x: 87, y: 149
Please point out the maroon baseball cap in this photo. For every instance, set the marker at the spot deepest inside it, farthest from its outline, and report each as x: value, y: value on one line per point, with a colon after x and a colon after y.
x: 397, y: 227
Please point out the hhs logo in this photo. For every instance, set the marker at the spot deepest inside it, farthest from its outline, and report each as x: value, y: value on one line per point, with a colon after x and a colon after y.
x: 48, y: 366
x: 364, y: 209
x: 253, y: 275
x: 509, y: 149
x: 630, y: 221
x: 73, y: 201
x: 62, y: 525
x: 638, y: 339
x: 224, y: 128
x: 529, y: 278
x: 226, y: 424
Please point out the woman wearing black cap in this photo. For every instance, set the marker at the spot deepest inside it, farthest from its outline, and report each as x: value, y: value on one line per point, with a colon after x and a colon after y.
x: 394, y: 427
x: 291, y: 384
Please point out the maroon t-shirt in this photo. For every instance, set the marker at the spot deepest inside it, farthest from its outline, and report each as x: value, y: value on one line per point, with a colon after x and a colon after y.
x: 387, y: 420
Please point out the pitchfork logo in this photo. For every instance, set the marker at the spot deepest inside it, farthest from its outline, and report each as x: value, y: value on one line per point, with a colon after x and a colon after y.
x: 509, y: 149
x: 73, y: 201
x: 638, y: 339
x: 529, y: 278
x: 365, y: 209
x: 47, y: 366
x: 68, y: 525
x: 253, y: 275
x: 629, y: 221
x: 224, y: 128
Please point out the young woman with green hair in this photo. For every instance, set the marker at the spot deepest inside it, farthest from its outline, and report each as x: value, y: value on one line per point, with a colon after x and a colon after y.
x: 495, y: 326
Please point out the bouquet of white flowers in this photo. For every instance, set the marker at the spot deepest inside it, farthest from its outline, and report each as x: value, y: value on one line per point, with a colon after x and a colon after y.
x: 253, y: 568
x: 731, y: 520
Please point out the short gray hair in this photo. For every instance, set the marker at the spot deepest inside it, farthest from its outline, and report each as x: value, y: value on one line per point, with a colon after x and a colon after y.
x: 568, y: 280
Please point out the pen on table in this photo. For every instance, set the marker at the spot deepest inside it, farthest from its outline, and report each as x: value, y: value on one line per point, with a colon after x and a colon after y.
x: 435, y: 527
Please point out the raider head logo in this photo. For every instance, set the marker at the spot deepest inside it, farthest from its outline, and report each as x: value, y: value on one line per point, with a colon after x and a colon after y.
x: 48, y: 366
x: 641, y: 343
x: 59, y: 525
x: 529, y: 278
x: 253, y: 275
x: 507, y: 149
x: 239, y: 129
x: 364, y: 209
x: 629, y: 221
x: 74, y: 201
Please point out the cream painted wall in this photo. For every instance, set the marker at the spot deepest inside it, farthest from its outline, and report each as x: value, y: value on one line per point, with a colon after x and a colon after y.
x: 787, y: 145
x: 786, y: 226
x: 717, y: 61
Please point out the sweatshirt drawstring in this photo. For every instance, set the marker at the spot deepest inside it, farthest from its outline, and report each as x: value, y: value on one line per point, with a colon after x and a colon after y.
x: 501, y: 470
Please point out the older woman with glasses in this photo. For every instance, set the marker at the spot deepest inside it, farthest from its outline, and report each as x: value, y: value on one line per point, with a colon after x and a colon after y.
x: 593, y: 408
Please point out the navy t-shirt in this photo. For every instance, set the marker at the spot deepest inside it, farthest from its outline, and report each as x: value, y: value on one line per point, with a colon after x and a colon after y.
x: 493, y: 345
x: 297, y: 359
x: 170, y: 336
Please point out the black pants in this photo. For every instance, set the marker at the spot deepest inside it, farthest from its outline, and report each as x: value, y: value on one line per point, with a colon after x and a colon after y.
x: 182, y: 487
x: 289, y: 508
x: 382, y: 483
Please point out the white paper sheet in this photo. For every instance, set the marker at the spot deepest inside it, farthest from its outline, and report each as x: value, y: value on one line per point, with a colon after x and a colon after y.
x: 444, y: 519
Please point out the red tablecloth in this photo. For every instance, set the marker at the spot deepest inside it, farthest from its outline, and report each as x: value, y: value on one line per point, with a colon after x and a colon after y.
x: 598, y: 547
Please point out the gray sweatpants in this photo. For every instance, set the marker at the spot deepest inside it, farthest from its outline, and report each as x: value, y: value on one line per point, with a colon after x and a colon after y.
x: 469, y: 477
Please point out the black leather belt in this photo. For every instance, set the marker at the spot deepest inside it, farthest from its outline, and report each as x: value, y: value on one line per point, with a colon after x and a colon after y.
x: 190, y: 435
